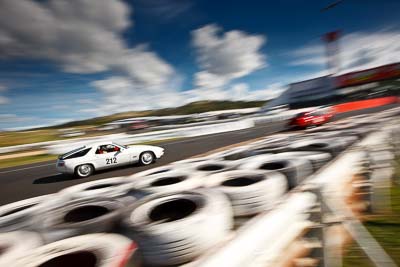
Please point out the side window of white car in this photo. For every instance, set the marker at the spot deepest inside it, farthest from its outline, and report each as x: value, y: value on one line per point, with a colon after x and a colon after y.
x: 105, y: 149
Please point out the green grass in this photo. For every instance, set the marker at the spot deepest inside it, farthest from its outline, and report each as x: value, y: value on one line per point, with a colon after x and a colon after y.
x: 384, y: 228
x: 27, y: 137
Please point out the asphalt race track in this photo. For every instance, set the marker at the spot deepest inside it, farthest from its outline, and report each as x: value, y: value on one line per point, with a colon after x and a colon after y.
x: 32, y: 180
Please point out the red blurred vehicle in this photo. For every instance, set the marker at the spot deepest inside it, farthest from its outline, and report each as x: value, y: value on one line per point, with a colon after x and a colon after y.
x: 312, y: 118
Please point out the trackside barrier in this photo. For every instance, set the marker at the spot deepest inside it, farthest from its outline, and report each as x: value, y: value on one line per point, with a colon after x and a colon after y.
x: 65, y: 146
x: 305, y: 214
x: 251, y: 248
x: 204, y: 128
x: 364, y: 104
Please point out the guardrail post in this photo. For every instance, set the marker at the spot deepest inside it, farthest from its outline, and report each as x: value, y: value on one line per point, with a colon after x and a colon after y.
x: 382, y: 163
x: 316, y: 233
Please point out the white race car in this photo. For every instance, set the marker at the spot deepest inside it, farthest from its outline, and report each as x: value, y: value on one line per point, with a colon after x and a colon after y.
x: 83, y: 161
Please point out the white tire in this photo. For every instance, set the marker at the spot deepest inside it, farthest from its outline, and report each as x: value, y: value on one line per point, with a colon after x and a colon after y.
x: 16, y: 244
x: 94, y: 250
x: 168, y: 182
x: 157, y: 170
x: 250, y: 191
x: 235, y: 155
x: 184, y: 163
x: 317, y: 158
x: 18, y: 215
x: 295, y: 169
x: 176, y: 228
x: 110, y: 187
x: 272, y: 147
x: 333, y: 145
x: 212, y: 166
x: 79, y: 217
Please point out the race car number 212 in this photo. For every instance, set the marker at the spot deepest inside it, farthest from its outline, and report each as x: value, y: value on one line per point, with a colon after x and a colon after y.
x: 111, y: 161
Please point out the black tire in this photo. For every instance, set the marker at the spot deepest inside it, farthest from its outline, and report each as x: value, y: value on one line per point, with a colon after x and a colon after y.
x: 147, y: 158
x: 84, y: 170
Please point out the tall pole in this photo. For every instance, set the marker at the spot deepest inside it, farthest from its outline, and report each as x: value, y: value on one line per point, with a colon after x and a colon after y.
x: 332, y: 52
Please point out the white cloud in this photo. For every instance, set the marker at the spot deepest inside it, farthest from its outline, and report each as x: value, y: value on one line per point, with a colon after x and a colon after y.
x: 236, y: 92
x: 130, y: 98
x: 5, y: 118
x: 85, y: 101
x: 223, y: 57
x: 81, y: 36
x: 357, y: 51
x: 4, y: 100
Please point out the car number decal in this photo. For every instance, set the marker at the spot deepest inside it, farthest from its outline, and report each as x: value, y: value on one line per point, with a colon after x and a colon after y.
x: 111, y: 160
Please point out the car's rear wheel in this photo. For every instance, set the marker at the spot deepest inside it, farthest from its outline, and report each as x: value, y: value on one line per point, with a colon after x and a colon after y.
x: 84, y: 170
x: 147, y: 158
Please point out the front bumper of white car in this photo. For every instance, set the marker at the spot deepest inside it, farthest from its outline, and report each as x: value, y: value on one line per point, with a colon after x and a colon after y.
x: 159, y: 152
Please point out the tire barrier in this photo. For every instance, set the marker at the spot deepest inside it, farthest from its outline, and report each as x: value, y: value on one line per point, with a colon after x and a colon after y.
x: 18, y: 215
x: 235, y: 155
x: 185, y: 162
x: 250, y: 192
x: 359, y: 133
x: 211, y: 166
x: 272, y: 147
x: 269, y: 140
x: 79, y: 217
x: 153, y: 171
x: 169, y: 182
x: 11, y: 247
x: 93, y: 250
x: 332, y: 146
x: 176, y: 228
x: 179, y: 212
x: 110, y: 187
x: 317, y: 158
x: 295, y: 169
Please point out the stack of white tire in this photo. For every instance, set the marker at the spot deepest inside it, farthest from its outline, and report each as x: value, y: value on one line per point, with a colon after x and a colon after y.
x: 176, y: 228
x: 174, y: 213
x: 95, y: 250
x: 250, y: 191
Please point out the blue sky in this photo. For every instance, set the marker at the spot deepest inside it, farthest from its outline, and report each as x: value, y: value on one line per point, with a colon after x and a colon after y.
x: 63, y: 60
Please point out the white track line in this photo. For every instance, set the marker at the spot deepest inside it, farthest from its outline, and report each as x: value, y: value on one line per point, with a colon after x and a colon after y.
x: 27, y: 168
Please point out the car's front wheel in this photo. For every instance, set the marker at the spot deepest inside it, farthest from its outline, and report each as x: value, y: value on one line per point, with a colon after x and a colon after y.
x: 146, y: 158
x: 84, y: 170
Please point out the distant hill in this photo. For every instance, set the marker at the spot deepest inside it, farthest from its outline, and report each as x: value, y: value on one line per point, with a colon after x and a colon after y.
x: 191, y: 108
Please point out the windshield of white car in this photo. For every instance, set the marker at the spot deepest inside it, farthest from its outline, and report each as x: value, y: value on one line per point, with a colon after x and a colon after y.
x: 125, y: 147
x: 63, y: 156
